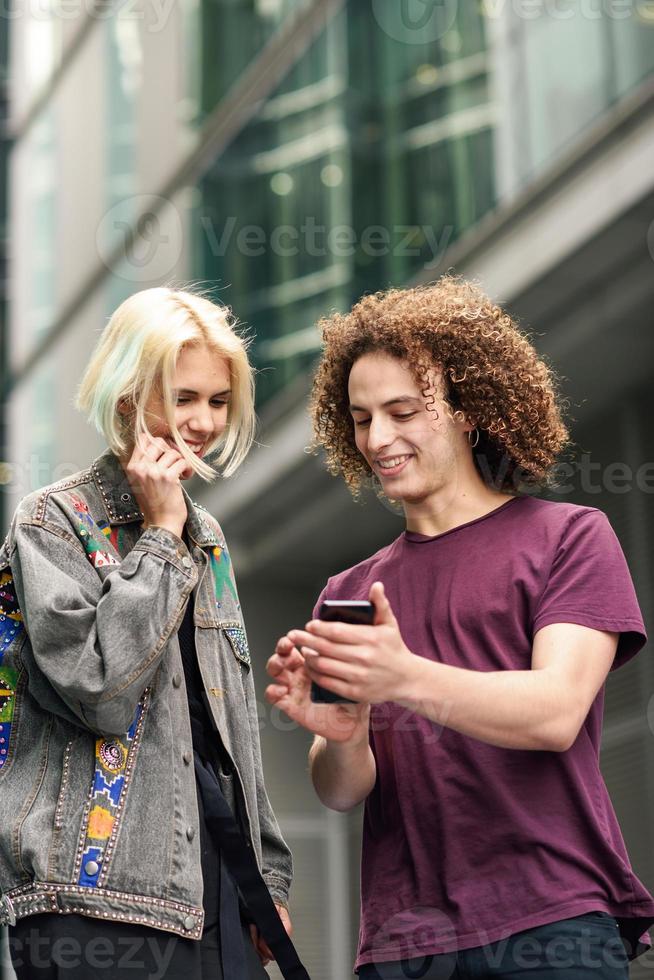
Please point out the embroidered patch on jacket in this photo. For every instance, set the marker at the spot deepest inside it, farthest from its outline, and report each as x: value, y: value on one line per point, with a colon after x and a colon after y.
x: 111, y: 756
x: 223, y: 574
x: 105, y: 527
x: 11, y: 618
x: 81, y: 509
x: 239, y: 643
x: 95, y: 551
x: 8, y: 682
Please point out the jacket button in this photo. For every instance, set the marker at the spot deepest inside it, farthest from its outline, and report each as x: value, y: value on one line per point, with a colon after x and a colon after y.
x: 177, y: 680
x: 189, y: 922
x: 187, y: 758
x: 186, y: 561
x: 190, y: 833
x: 91, y: 868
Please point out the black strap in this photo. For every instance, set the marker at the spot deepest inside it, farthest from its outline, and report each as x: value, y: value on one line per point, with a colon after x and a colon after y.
x: 241, y: 863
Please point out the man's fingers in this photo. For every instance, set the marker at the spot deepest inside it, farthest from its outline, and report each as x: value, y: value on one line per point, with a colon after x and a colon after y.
x: 338, y: 649
x: 275, y: 692
x: 325, y: 668
x: 275, y: 665
x: 284, y: 646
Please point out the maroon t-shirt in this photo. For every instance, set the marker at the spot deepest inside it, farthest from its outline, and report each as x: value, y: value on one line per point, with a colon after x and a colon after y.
x: 465, y: 843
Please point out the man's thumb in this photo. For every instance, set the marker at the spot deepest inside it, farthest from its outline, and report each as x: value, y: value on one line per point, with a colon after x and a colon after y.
x: 383, y: 611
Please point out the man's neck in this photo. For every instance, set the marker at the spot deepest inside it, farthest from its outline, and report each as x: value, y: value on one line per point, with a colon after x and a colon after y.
x: 444, y: 512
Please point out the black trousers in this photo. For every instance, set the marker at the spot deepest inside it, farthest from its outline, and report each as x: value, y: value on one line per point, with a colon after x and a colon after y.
x: 77, y: 947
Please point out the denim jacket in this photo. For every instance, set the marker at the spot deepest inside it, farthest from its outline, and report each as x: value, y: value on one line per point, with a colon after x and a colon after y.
x: 98, y: 806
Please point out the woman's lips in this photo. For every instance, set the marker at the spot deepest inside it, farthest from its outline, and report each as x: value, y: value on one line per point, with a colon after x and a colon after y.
x: 195, y: 448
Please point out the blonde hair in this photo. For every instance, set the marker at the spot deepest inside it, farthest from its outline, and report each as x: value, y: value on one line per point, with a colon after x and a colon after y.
x: 136, y: 358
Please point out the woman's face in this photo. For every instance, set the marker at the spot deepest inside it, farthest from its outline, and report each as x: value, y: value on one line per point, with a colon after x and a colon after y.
x: 201, y: 393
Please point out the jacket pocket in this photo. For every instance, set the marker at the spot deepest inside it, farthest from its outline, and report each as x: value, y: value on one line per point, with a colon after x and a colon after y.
x: 235, y: 633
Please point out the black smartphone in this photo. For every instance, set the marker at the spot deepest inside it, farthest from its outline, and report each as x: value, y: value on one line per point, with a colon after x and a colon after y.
x: 359, y: 612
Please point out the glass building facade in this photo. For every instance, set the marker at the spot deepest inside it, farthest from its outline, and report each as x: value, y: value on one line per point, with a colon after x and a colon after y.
x: 384, y: 145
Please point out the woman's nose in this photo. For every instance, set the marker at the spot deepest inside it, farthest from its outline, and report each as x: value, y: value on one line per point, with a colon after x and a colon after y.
x: 202, y: 420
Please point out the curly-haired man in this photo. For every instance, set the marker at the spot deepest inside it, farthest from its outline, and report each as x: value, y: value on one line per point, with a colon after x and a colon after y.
x: 490, y: 846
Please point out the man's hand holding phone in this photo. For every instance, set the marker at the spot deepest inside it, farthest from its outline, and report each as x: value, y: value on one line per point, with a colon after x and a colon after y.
x: 368, y: 664
x: 291, y: 692
x: 363, y: 664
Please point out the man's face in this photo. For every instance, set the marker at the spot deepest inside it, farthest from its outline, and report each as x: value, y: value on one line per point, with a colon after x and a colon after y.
x: 201, y: 391
x: 414, y: 450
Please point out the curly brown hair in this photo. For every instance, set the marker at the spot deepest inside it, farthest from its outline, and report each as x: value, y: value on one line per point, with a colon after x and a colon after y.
x: 493, y: 377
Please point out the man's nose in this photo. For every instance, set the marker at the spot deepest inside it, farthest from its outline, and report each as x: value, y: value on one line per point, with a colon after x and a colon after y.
x: 380, y: 433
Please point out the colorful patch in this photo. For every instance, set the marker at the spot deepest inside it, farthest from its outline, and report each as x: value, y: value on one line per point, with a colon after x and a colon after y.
x: 111, y: 757
x: 116, y: 537
x: 101, y: 822
x: 98, y: 557
x: 223, y: 574
x: 115, y: 534
x: 81, y: 509
x: 11, y: 618
x: 239, y: 644
x: 8, y: 682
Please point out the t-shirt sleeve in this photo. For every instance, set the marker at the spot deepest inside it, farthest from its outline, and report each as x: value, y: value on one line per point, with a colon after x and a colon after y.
x: 590, y: 584
x: 319, y: 601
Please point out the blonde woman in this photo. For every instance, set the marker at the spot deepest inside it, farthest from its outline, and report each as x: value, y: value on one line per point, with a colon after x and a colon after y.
x: 128, y: 709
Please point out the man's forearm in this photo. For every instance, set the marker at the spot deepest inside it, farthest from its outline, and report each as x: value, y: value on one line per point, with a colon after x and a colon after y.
x: 343, y: 773
x: 514, y: 709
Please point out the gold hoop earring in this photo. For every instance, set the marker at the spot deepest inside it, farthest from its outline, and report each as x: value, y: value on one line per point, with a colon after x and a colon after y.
x: 476, y: 442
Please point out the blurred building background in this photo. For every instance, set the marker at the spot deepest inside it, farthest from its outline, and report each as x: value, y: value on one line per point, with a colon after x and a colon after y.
x: 293, y: 155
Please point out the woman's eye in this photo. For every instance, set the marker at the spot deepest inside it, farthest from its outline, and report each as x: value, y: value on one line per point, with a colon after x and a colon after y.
x: 360, y: 422
x: 405, y: 415
x: 215, y: 404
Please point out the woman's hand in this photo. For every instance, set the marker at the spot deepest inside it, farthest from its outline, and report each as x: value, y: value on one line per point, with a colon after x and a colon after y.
x: 362, y: 663
x: 291, y: 692
x: 261, y: 946
x: 153, y: 472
